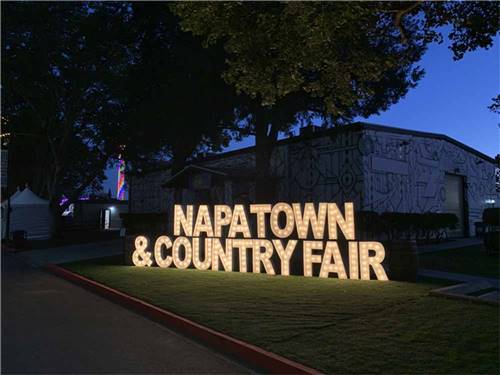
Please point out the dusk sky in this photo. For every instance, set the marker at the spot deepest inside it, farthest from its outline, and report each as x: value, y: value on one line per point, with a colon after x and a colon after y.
x: 451, y: 99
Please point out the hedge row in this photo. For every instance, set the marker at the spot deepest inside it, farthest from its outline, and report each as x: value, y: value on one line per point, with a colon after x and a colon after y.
x: 396, y: 225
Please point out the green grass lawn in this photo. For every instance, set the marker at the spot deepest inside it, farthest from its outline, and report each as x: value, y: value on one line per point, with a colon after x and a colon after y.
x: 471, y: 260
x: 337, y: 326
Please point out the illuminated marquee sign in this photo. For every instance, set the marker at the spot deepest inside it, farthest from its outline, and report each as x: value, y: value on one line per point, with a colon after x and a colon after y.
x: 227, y: 229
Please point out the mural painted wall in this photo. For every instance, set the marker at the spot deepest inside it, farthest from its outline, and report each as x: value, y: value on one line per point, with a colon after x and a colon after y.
x: 407, y: 173
x: 326, y: 169
x: 378, y: 170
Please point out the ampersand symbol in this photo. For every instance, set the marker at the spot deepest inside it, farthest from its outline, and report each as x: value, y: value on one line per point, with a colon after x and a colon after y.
x: 141, y: 258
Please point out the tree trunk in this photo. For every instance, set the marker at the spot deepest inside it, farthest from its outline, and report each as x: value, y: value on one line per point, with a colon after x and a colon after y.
x: 179, y: 158
x: 265, y: 140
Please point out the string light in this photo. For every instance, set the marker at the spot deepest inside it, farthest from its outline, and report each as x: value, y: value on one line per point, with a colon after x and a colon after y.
x: 222, y: 217
x: 337, y: 266
x: 226, y: 257
x: 242, y: 245
x: 205, y: 264
x: 346, y: 224
x: 375, y: 262
x: 260, y: 210
x: 309, y: 257
x: 360, y: 261
x: 140, y: 257
x: 203, y: 222
x: 184, y: 242
x: 285, y: 254
x: 239, y: 222
x: 161, y: 261
x: 290, y: 222
x: 263, y: 257
x: 183, y: 220
x: 353, y: 260
x: 317, y: 221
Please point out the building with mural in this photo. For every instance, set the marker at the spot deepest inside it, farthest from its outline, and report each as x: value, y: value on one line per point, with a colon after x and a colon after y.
x: 379, y: 168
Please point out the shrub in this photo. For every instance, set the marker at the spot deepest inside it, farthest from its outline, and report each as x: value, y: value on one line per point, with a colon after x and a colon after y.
x: 397, y: 224
x: 368, y: 222
x: 414, y: 225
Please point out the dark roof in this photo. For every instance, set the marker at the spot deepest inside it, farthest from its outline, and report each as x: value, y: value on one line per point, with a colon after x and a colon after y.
x: 357, y: 126
x: 416, y: 133
x: 224, y: 172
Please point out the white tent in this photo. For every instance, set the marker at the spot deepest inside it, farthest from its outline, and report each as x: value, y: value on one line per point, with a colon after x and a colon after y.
x: 12, y: 197
x: 3, y: 211
x: 29, y: 213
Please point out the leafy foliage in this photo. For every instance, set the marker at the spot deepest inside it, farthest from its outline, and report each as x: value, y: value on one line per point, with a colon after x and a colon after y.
x: 80, y: 80
x: 176, y: 103
x: 346, y: 57
x: 357, y: 58
x: 495, y: 106
x: 56, y: 70
x: 334, y: 60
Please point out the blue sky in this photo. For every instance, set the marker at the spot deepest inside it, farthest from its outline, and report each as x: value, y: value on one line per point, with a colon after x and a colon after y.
x: 451, y: 99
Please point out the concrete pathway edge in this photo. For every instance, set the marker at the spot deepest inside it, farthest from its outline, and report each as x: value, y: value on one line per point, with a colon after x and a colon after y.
x: 448, y: 293
x: 458, y: 277
x: 249, y: 353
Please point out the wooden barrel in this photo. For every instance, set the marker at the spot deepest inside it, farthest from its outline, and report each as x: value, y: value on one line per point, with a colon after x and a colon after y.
x: 402, y: 260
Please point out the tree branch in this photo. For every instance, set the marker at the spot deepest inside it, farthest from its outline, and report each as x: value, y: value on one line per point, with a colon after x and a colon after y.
x: 398, y: 17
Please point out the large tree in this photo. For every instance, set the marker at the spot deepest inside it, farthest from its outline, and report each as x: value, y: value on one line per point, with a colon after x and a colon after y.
x: 336, y: 60
x: 80, y: 81
x: 56, y: 67
x: 176, y: 104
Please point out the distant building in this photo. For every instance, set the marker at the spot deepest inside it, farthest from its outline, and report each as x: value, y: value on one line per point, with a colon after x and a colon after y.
x: 95, y: 214
x: 379, y: 168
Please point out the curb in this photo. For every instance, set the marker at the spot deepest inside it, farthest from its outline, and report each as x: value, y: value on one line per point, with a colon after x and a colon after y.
x: 258, y: 357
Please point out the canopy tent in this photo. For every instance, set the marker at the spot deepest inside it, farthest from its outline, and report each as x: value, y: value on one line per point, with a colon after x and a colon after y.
x: 5, y: 202
x: 3, y: 210
x: 28, y: 213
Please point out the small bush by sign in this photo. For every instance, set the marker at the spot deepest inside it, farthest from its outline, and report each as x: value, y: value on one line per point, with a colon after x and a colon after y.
x: 404, y: 225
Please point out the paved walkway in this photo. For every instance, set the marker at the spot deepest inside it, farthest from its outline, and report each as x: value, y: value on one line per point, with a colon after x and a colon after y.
x: 52, y: 326
x: 477, y: 291
x: 458, y: 277
x: 448, y: 245
x: 64, y: 254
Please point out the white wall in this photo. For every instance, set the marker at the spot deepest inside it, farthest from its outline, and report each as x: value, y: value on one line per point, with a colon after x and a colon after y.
x: 406, y: 173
